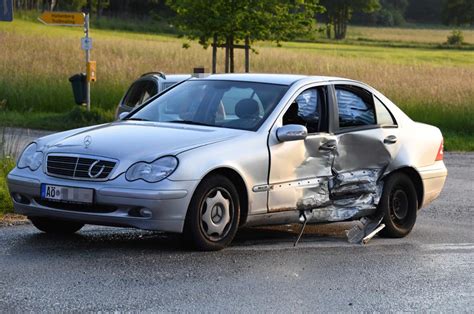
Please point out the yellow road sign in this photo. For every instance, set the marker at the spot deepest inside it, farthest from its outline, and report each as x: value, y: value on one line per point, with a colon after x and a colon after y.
x: 91, y: 71
x: 62, y: 18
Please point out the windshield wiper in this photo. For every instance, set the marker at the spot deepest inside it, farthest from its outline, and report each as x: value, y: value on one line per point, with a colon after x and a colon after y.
x: 190, y: 122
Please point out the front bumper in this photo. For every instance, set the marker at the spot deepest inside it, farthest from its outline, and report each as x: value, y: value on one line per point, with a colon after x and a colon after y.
x: 116, y: 202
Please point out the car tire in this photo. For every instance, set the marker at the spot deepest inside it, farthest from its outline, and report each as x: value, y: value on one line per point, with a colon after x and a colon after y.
x: 399, y: 205
x: 55, y: 226
x: 213, y: 214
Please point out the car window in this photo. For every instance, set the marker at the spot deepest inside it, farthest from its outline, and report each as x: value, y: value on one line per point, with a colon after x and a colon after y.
x: 149, y: 89
x: 231, y: 97
x: 139, y: 92
x: 355, y: 107
x: 383, y: 115
x: 230, y: 104
x: 307, y: 109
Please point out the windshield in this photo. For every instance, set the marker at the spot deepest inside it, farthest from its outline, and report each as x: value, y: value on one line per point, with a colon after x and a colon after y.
x: 229, y: 104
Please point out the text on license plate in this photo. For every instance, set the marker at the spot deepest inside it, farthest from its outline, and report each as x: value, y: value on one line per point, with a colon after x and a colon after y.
x: 66, y: 194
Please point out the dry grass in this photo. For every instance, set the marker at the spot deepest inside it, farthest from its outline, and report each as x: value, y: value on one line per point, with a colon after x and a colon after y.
x: 412, y: 35
x: 434, y: 86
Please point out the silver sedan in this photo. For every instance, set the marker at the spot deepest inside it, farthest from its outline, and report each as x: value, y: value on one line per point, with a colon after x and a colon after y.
x: 211, y: 155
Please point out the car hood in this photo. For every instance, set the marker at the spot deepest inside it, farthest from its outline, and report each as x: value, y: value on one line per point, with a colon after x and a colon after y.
x: 130, y: 142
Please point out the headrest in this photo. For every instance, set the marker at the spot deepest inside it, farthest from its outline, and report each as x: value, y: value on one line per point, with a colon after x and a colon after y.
x: 247, y: 108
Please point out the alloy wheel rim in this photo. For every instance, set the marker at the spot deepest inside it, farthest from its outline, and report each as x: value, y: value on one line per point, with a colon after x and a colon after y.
x: 216, y: 214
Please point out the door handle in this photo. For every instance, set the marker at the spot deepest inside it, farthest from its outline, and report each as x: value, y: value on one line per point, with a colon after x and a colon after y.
x: 328, y: 146
x: 391, y: 139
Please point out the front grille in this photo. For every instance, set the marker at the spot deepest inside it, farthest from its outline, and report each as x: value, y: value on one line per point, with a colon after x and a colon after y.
x: 77, y: 167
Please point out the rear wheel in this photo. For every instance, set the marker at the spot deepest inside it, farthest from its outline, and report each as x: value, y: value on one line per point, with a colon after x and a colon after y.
x: 399, y: 204
x: 55, y: 226
x: 213, y: 214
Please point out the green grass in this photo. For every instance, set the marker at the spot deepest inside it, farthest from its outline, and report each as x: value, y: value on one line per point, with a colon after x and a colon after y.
x: 76, y: 118
x: 431, y: 85
x: 6, y: 205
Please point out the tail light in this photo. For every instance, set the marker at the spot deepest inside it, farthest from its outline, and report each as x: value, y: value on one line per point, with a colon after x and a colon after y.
x: 440, y: 154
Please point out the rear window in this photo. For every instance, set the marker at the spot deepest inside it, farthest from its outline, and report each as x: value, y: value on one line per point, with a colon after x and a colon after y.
x: 384, y: 117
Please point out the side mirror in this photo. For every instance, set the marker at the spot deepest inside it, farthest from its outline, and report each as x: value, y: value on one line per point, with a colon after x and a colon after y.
x: 291, y: 132
x: 122, y: 115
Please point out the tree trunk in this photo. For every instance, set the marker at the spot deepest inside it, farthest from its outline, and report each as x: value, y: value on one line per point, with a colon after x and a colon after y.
x: 227, y: 55
x: 247, y: 54
x: 231, y: 54
x: 328, y: 30
x: 340, y: 23
x: 214, y: 54
x: 52, y: 4
x: 99, y: 9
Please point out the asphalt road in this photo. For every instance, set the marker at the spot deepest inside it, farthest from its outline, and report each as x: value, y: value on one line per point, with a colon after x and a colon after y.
x: 106, y: 269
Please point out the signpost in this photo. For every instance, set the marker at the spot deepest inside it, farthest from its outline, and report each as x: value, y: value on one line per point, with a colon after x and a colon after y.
x: 75, y: 19
x: 87, y: 47
x: 6, y: 10
x: 62, y: 18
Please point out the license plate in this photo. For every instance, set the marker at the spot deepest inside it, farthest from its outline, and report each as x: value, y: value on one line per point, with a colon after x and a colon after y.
x: 67, y: 194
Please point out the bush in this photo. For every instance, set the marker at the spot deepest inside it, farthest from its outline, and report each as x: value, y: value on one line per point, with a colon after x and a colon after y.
x: 6, y: 165
x: 456, y: 38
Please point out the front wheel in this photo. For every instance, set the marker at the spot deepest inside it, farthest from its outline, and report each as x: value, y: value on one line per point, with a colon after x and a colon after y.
x: 55, y: 226
x: 213, y: 214
x: 399, y: 205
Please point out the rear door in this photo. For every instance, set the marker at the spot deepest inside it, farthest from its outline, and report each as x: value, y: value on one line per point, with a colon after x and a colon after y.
x: 367, y: 142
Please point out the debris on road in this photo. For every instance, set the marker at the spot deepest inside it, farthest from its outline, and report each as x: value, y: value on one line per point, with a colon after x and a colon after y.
x: 365, y: 229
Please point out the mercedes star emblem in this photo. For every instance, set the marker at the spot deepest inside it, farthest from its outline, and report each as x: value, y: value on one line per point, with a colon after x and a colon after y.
x: 87, y: 141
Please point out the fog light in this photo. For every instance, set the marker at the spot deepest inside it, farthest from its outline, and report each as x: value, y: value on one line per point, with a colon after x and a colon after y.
x: 17, y: 197
x: 145, y: 212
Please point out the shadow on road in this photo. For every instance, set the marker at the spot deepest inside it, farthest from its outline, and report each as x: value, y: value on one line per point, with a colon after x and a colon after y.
x: 104, y: 239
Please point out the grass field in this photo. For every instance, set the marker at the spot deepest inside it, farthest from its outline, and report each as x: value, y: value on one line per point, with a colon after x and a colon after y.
x: 407, y: 35
x: 432, y: 85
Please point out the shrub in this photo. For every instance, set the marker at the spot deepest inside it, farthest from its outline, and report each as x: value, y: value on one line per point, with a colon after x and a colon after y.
x: 6, y: 165
x: 456, y: 38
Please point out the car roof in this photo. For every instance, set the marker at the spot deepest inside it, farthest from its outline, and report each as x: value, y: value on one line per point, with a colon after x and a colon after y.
x: 169, y: 77
x: 282, y: 79
x: 177, y: 77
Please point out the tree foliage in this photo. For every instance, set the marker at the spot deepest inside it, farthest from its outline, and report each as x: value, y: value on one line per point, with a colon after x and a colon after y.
x: 339, y: 13
x: 459, y: 12
x: 231, y: 21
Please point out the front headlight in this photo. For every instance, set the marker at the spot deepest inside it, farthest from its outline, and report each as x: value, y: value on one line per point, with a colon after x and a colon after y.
x: 30, y: 158
x: 154, y: 171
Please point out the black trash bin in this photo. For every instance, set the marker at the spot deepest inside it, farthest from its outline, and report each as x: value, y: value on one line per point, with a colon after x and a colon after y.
x: 79, y: 84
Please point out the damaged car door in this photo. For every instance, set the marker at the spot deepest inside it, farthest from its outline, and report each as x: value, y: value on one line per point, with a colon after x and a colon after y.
x: 300, y: 169
x: 366, y: 145
x: 335, y: 173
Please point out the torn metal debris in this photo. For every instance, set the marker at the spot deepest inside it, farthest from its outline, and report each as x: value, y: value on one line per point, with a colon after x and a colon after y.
x: 365, y: 229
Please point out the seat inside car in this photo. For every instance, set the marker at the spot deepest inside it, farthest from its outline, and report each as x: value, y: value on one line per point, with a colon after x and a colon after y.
x: 248, y: 113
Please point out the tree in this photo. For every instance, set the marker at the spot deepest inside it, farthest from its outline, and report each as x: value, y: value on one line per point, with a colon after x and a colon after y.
x: 232, y: 21
x: 426, y: 11
x: 392, y: 12
x: 458, y: 12
x: 339, y: 13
